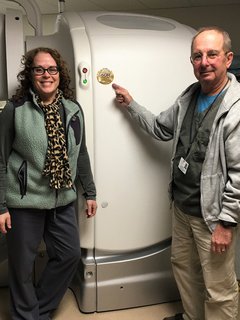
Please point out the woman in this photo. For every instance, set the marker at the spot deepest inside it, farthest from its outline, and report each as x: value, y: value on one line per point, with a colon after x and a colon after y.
x: 43, y: 153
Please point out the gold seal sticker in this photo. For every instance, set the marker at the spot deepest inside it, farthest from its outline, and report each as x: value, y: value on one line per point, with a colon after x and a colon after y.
x: 105, y: 76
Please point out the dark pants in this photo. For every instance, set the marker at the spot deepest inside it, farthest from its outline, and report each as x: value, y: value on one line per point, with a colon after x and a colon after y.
x: 60, y: 232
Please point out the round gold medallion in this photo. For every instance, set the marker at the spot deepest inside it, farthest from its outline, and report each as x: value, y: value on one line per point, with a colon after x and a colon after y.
x: 105, y: 76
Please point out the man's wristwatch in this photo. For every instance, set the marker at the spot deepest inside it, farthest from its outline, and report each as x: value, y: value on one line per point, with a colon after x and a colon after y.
x: 227, y: 224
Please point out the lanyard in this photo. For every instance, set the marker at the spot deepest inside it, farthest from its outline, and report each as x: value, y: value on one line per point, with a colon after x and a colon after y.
x: 192, y: 138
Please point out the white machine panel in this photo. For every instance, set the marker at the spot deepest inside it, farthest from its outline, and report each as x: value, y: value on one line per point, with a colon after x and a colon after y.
x: 150, y: 57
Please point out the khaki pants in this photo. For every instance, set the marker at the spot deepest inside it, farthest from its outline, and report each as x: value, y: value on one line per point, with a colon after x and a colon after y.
x: 206, y: 281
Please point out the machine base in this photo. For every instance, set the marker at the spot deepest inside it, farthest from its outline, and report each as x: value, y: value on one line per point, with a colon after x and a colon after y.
x: 127, y: 281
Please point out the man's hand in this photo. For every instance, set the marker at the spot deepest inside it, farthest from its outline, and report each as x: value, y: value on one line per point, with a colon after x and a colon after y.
x: 221, y: 239
x: 5, y: 222
x: 122, y: 95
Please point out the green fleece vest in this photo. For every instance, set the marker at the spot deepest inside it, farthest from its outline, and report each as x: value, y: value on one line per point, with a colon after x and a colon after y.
x: 26, y: 186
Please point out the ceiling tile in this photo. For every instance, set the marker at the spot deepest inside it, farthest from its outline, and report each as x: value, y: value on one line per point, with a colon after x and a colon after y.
x: 51, y: 6
x: 116, y: 5
x: 160, y: 4
x: 80, y: 5
x: 200, y: 3
x: 47, y: 6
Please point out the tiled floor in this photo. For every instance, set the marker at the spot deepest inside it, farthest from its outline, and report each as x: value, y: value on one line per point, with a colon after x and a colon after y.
x: 68, y: 310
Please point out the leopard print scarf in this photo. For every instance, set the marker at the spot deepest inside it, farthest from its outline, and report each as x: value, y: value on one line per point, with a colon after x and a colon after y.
x: 57, y: 162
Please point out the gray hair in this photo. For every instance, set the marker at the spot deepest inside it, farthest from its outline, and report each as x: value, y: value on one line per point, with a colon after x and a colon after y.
x: 227, y: 44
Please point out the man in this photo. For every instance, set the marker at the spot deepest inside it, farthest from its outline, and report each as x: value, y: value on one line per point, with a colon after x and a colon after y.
x: 204, y: 124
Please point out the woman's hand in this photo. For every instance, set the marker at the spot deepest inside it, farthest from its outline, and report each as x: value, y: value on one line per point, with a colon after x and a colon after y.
x: 91, y: 208
x: 5, y: 222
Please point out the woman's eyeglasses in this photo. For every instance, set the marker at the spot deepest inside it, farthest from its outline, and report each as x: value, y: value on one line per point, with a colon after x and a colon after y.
x: 39, y: 71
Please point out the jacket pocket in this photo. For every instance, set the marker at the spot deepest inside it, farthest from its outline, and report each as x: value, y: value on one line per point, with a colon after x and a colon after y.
x: 75, y: 125
x: 22, y: 178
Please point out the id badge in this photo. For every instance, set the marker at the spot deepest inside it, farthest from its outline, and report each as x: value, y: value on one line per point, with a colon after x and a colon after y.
x: 183, y: 165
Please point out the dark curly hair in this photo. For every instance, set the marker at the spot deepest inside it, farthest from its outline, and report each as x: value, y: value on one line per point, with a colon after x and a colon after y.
x: 25, y: 76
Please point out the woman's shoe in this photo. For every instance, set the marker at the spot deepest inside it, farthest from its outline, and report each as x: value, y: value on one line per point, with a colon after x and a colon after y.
x: 178, y: 316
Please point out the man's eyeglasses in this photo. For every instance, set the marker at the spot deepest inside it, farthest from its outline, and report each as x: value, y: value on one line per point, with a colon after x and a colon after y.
x: 196, y: 58
x: 38, y: 71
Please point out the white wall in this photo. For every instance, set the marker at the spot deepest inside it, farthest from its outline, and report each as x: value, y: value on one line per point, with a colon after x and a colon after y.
x: 227, y: 17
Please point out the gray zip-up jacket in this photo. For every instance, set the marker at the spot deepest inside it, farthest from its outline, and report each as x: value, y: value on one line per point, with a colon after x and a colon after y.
x: 220, y: 176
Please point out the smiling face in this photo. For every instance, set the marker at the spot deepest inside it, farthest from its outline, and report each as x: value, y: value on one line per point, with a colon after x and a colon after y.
x: 45, y: 85
x: 210, y: 60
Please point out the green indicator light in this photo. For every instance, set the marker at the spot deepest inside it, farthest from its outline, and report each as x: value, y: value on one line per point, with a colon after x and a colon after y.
x: 84, y: 81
